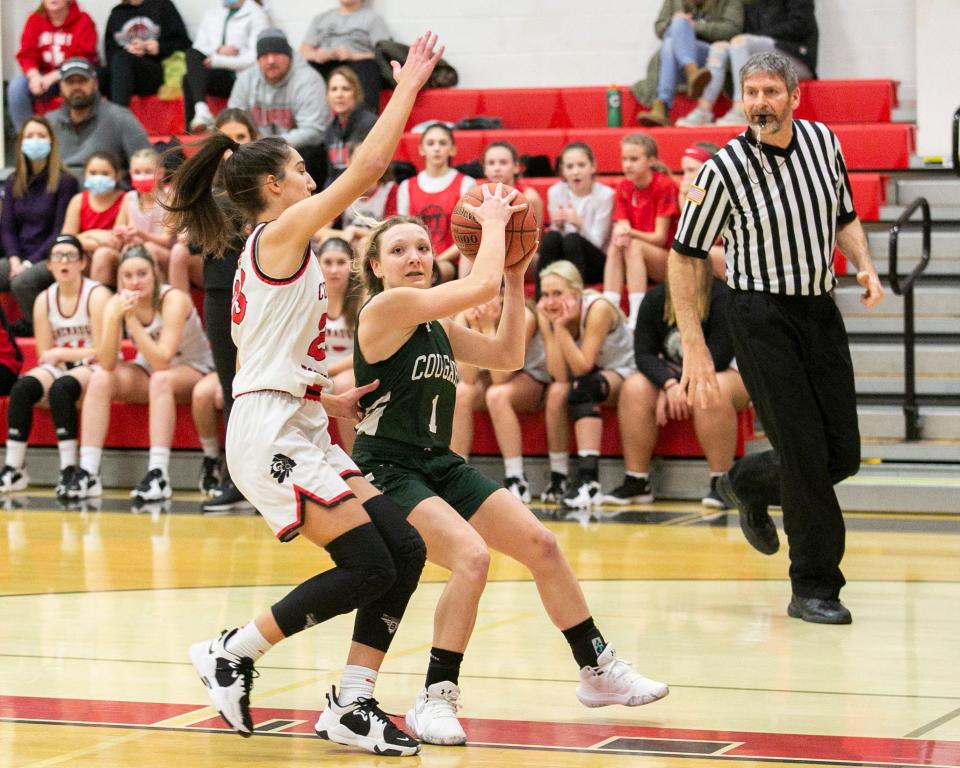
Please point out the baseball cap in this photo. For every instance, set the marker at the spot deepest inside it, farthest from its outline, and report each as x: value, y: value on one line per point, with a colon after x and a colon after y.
x: 272, y: 40
x: 77, y: 66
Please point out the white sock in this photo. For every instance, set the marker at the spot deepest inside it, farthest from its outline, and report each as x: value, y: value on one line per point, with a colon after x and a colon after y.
x: 16, y: 453
x: 587, y: 452
x: 635, y: 299
x: 638, y: 475
x: 356, y: 683
x: 513, y: 467
x: 68, y: 453
x: 90, y: 456
x: 717, y: 474
x: 560, y: 463
x: 248, y: 642
x: 613, y: 297
x: 211, y: 447
x: 159, y: 459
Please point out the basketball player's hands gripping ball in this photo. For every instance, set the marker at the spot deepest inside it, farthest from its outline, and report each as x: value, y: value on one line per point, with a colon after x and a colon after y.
x: 419, y: 64
x: 521, y: 230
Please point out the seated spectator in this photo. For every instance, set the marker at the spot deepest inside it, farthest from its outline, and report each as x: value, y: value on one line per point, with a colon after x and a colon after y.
x: 589, y: 354
x: 787, y: 26
x: 433, y: 194
x: 85, y: 124
x: 285, y: 97
x: 645, y: 215
x: 652, y: 397
x: 347, y: 36
x: 35, y: 200
x: 692, y: 161
x: 580, y: 211
x: 225, y: 44
x: 140, y: 34
x: 172, y: 356
x: 206, y: 401
x: 55, y: 32
x: 351, y: 120
x: 92, y: 216
x: 140, y: 221
x: 66, y: 323
x: 344, y: 297
x: 11, y: 358
x: 687, y: 27
x: 501, y: 164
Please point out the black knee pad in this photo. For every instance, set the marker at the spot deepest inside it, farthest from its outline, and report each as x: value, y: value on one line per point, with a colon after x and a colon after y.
x: 25, y: 394
x: 587, y: 392
x: 63, y: 397
x: 364, y: 571
x: 377, y: 621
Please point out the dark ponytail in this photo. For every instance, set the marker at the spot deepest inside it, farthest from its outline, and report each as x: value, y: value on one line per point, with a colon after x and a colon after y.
x: 192, y: 206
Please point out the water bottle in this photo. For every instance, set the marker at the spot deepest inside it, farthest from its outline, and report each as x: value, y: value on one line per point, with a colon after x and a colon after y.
x: 613, y: 107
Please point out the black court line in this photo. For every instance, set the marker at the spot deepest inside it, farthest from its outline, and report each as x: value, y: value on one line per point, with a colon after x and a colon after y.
x: 933, y: 725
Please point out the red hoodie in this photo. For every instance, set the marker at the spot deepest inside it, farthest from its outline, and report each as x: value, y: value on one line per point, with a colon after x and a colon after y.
x: 45, y: 47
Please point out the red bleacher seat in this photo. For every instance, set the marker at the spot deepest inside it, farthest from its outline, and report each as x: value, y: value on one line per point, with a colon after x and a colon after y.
x: 158, y: 116
x: 523, y: 107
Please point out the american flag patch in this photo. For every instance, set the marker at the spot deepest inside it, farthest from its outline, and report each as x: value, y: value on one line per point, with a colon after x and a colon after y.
x: 696, y: 195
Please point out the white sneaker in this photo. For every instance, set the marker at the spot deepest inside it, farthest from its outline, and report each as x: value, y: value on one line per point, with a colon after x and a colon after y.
x: 363, y: 724
x: 583, y: 496
x: 519, y: 487
x: 12, y: 480
x: 695, y: 118
x: 154, y: 487
x: 736, y: 116
x: 614, y: 681
x: 229, y: 680
x: 83, y: 485
x: 433, y: 717
x: 202, y: 118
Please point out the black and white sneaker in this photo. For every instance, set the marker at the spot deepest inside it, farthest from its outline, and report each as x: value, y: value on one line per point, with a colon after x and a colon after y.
x: 13, y: 480
x: 154, y: 487
x: 712, y: 499
x: 63, y: 484
x: 519, y: 487
x: 584, y: 494
x: 363, y: 724
x: 229, y: 499
x: 229, y: 680
x: 633, y: 490
x: 557, y: 489
x: 83, y: 485
x: 211, y: 475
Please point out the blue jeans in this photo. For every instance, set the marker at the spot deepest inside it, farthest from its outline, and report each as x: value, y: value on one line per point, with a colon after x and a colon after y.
x: 20, y: 100
x: 680, y: 47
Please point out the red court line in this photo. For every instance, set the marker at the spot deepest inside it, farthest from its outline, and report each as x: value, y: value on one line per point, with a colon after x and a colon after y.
x: 793, y: 747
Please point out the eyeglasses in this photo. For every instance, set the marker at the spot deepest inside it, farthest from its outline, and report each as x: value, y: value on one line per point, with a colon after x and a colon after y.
x: 65, y: 256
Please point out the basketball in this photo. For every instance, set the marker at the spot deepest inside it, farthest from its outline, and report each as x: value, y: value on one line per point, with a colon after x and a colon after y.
x: 521, y: 232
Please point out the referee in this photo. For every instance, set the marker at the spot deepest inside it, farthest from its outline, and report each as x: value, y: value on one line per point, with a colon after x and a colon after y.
x: 780, y: 197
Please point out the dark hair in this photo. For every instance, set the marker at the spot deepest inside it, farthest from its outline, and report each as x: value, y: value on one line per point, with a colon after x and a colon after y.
x: 140, y: 252
x: 438, y: 126
x: 236, y: 115
x: 503, y: 145
x: 191, y: 206
x: 350, y: 76
x: 582, y: 146
x: 22, y: 172
x: 108, y: 157
x: 371, y: 283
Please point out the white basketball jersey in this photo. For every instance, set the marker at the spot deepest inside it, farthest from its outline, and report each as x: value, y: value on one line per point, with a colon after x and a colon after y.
x: 339, y: 340
x: 279, y: 326
x: 193, y: 350
x: 73, y: 330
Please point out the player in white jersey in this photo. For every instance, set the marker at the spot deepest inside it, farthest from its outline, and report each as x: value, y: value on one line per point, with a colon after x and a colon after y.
x: 172, y: 356
x: 278, y: 449
x: 344, y: 295
x: 589, y: 353
x: 66, y: 323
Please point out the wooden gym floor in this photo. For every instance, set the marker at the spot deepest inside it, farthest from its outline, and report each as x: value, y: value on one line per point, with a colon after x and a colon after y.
x: 98, y: 607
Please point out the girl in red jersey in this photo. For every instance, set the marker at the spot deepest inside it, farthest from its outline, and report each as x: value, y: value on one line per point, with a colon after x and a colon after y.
x: 433, y: 193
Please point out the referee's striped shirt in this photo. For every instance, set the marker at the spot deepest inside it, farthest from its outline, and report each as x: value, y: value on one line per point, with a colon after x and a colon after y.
x: 778, y: 217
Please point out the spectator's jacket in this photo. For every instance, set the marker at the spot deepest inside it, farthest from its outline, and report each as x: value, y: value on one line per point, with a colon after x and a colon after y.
x: 45, y: 47
x: 110, y: 128
x: 152, y: 20
x: 791, y: 23
x: 30, y: 223
x: 240, y: 29
x: 294, y: 109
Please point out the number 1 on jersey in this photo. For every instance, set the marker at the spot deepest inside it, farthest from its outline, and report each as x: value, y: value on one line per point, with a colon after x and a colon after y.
x: 433, y: 415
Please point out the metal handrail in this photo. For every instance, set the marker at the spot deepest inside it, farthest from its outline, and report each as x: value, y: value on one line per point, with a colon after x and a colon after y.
x: 955, y: 158
x: 911, y: 412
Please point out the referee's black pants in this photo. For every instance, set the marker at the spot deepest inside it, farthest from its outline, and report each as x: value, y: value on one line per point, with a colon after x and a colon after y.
x: 795, y: 361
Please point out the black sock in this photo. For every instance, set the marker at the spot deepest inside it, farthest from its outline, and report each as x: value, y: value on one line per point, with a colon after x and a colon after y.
x: 587, y: 466
x: 444, y: 665
x: 586, y: 642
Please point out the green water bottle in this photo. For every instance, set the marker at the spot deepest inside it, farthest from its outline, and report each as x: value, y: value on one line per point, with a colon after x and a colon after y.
x: 613, y: 107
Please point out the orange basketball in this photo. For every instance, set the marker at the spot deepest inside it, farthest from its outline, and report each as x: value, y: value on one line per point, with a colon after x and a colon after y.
x: 521, y: 232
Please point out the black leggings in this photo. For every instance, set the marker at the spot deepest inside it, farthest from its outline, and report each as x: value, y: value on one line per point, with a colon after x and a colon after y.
x: 128, y: 75
x: 216, y: 316
x: 575, y: 248
x: 201, y: 81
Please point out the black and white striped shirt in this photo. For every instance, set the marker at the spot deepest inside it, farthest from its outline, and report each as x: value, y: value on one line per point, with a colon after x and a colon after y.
x: 778, y: 217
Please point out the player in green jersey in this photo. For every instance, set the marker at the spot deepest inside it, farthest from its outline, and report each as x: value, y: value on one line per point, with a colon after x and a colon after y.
x: 406, y: 340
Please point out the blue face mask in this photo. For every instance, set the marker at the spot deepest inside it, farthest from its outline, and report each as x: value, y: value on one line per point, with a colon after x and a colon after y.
x: 35, y: 149
x: 99, y: 185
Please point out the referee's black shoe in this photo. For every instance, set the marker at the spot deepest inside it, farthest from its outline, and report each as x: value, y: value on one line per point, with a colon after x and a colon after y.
x: 818, y: 610
x: 755, y: 522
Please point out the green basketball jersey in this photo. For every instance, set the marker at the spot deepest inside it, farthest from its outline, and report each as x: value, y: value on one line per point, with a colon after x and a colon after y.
x: 418, y: 389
